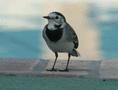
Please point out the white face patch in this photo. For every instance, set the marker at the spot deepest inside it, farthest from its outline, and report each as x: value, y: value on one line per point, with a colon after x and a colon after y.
x: 51, y: 25
x: 55, y: 20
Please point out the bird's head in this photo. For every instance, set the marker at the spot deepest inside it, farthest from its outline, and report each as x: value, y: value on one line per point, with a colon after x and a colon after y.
x: 56, y: 19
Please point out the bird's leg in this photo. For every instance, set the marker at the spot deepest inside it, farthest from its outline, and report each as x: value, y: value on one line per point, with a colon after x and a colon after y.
x: 56, y: 55
x: 66, y: 69
x: 53, y: 69
x: 68, y: 62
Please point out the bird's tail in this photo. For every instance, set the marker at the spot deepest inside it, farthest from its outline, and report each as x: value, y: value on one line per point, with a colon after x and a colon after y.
x: 75, y: 53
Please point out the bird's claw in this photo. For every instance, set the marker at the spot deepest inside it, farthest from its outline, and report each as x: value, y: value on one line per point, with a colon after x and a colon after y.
x: 65, y: 70
x: 53, y: 69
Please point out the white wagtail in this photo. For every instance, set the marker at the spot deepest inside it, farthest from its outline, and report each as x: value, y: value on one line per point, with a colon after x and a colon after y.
x: 60, y: 37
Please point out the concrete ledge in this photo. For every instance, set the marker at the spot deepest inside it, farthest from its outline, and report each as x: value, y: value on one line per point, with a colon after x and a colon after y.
x: 107, y: 69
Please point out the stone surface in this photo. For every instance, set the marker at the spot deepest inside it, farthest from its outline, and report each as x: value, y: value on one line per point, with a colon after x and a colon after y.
x: 104, y: 69
x: 109, y: 69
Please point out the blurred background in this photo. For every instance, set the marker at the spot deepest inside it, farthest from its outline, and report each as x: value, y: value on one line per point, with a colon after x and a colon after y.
x: 95, y: 22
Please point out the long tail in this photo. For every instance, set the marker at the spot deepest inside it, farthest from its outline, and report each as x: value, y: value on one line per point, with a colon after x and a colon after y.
x: 75, y: 53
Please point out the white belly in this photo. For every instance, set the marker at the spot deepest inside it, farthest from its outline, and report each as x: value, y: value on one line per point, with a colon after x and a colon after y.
x: 61, y: 46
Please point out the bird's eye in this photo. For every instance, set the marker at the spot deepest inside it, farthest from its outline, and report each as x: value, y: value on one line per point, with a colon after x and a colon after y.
x: 57, y: 17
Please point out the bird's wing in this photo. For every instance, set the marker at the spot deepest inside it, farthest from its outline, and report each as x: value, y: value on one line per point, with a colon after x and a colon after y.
x: 73, y: 36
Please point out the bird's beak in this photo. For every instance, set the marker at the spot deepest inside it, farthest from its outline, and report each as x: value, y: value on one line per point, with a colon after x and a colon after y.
x: 47, y: 17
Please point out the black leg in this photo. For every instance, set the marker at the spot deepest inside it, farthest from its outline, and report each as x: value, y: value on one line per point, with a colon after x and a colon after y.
x: 68, y: 62
x: 66, y: 69
x: 56, y: 56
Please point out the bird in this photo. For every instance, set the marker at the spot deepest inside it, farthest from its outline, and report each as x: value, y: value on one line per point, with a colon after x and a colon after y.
x: 60, y: 37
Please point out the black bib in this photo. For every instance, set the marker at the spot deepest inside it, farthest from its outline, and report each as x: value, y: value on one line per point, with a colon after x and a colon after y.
x: 55, y: 35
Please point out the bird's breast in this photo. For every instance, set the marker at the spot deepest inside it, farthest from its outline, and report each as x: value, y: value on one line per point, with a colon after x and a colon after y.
x: 54, y: 35
x: 61, y: 46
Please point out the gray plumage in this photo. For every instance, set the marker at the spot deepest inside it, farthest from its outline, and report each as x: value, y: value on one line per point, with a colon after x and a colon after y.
x: 68, y: 36
x: 60, y: 36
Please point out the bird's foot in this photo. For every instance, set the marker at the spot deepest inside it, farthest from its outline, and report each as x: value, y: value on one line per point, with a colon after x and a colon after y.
x: 53, y: 69
x: 65, y: 70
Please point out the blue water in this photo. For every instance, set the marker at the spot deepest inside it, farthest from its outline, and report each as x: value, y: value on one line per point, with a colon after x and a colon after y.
x: 109, y: 39
x: 108, y: 31
x: 20, y: 43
